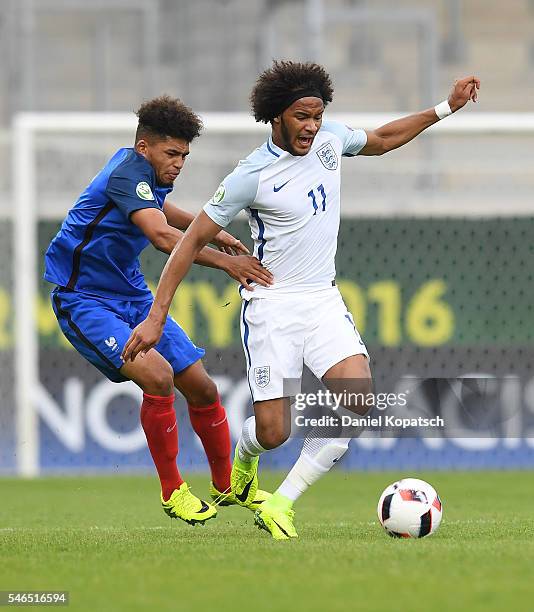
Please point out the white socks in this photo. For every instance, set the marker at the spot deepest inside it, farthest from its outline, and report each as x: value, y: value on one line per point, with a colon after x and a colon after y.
x: 318, y: 456
x: 248, y: 446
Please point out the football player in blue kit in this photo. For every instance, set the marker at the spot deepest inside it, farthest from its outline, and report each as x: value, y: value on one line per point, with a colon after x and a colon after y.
x: 101, y: 295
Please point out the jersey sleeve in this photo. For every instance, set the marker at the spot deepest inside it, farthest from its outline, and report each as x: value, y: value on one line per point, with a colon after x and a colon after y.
x: 131, y: 192
x: 235, y: 193
x: 353, y: 140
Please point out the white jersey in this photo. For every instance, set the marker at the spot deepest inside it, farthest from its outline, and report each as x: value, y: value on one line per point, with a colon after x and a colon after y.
x: 293, y: 205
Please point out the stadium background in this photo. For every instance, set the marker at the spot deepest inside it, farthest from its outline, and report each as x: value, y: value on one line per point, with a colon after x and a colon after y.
x: 435, y: 252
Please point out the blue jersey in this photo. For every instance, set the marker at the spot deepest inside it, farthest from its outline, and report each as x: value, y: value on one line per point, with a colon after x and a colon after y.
x: 97, y: 248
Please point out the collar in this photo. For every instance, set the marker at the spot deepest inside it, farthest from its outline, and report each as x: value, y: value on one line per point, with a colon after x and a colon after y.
x: 274, y: 149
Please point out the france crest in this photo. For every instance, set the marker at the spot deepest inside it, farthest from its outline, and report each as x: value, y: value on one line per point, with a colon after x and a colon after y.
x: 328, y: 156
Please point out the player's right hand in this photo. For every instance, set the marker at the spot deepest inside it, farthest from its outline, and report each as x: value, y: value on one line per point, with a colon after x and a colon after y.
x: 143, y: 337
x: 247, y: 269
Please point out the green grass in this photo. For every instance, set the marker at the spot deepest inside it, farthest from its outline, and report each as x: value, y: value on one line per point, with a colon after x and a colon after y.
x: 107, y: 542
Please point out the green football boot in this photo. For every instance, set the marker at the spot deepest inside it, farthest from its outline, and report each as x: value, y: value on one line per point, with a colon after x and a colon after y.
x: 183, y: 505
x: 229, y: 499
x: 244, y: 480
x: 276, y: 517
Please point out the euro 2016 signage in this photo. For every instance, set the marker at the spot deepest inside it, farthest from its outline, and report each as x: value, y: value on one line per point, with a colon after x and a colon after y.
x: 89, y: 423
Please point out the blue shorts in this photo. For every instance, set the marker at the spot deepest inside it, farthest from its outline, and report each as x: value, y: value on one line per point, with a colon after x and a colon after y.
x: 98, y: 328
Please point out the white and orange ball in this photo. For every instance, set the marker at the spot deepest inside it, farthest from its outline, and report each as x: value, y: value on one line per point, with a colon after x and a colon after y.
x: 410, y: 508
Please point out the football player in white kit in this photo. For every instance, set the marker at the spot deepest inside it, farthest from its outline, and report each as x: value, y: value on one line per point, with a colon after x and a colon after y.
x: 290, y: 189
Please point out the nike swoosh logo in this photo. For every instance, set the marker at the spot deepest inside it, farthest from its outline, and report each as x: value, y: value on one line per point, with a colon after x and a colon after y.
x: 277, y: 189
x: 204, y: 506
x: 169, y: 429
x: 219, y: 423
x: 244, y: 494
x: 281, y: 528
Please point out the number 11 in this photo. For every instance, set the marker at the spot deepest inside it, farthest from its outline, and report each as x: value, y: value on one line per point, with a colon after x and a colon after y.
x: 311, y: 195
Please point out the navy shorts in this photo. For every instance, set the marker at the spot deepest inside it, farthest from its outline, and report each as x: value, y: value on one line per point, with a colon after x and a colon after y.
x: 98, y: 328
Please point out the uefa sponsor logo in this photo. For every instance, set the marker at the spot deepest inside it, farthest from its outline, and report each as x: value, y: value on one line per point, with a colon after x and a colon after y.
x: 143, y: 191
x: 219, y: 194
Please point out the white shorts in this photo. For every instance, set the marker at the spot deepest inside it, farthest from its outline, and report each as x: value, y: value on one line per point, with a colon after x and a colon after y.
x: 282, y: 334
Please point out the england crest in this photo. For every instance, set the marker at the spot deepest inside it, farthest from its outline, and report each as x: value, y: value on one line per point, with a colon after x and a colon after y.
x: 328, y: 156
x: 262, y: 376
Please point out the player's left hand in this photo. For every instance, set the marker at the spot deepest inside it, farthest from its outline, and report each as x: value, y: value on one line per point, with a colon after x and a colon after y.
x: 230, y: 245
x: 463, y: 90
x: 143, y: 337
x: 246, y: 269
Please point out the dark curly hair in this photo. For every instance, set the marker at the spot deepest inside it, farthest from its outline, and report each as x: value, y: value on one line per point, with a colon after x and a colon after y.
x: 278, y: 84
x: 167, y: 117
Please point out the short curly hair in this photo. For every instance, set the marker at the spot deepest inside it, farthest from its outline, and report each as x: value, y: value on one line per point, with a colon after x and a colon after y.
x: 165, y: 117
x: 284, y: 78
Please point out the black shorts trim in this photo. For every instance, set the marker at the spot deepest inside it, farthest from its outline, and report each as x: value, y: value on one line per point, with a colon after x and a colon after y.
x: 66, y: 315
x: 77, y: 254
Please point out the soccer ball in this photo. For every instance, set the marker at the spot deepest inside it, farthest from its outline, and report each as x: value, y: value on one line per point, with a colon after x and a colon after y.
x: 409, y: 508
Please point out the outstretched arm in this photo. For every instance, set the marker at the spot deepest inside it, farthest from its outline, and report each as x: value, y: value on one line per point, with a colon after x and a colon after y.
x: 397, y: 133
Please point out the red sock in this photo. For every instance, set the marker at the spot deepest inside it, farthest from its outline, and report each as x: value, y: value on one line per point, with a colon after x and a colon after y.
x: 158, y: 419
x: 211, y: 426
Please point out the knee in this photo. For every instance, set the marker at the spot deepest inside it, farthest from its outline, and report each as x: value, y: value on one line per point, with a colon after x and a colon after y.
x: 364, y: 398
x: 365, y: 386
x: 160, y: 381
x: 272, y: 435
x: 203, y: 394
x: 358, y: 395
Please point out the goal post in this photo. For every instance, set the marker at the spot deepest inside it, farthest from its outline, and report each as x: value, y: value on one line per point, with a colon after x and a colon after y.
x: 27, y: 127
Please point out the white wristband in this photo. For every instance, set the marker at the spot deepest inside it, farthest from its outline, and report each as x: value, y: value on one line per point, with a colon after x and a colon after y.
x: 443, y: 109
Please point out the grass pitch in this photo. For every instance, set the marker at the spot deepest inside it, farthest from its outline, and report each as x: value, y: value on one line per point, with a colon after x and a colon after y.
x: 107, y: 542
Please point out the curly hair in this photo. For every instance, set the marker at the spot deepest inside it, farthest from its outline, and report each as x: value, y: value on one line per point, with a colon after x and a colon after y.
x: 165, y: 117
x: 278, y: 84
